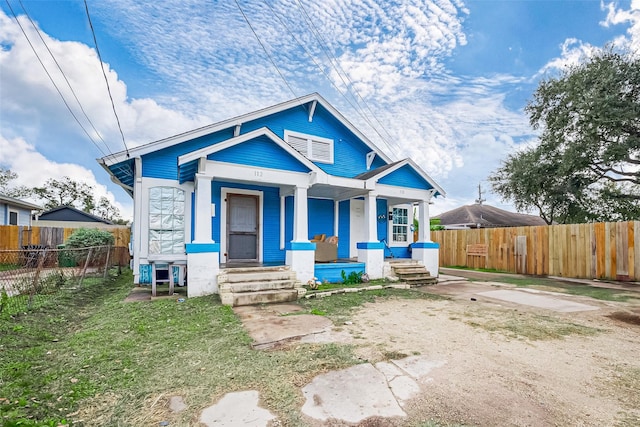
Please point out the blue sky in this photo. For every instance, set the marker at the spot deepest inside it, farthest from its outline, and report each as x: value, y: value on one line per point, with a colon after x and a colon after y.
x: 444, y: 82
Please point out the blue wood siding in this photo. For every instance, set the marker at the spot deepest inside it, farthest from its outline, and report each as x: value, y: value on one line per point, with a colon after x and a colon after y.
x: 164, y: 163
x: 344, y: 234
x: 406, y: 176
x: 288, y: 219
x: 4, y: 214
x: 349, y: 151
x: 382, y: 223
x: 400, y: 252
x: 271, y: 218
x: 188, y: 171
x: 321, y: 217
x: 260, y: 152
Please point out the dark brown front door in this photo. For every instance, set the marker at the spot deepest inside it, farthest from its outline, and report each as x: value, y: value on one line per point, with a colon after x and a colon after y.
x: 242, y: 227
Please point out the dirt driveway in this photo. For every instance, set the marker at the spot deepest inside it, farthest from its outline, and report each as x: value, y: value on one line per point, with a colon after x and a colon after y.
x: 509, y: 364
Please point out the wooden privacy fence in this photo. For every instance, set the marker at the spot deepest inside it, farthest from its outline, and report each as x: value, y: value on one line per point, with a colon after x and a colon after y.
x: 587, y: 251
x: 14, y: 237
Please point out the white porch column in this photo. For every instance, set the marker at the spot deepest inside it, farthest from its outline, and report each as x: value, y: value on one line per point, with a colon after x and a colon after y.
x: 300, y: 254
x: 424, y: 230
x: 300, y: 215
x: 424, y: 250
x: 371, y: 252
x: 370, y: 217
x: 202, y: 232
x: 203, y: 255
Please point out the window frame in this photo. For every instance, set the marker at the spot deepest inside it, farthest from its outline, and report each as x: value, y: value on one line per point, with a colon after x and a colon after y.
x: 310, y: 140
x: 180, y: 230
x: 13, y: 211
x: 407, y: 226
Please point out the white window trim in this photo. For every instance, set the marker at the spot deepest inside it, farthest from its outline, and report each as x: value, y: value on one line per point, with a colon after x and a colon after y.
x: 223, y: 219
x: 310, y: 138
x: 394, y: 243
x: 9, y: 217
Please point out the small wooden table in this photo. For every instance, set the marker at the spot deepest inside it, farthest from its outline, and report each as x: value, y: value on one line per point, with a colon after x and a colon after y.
x: 170, y: 279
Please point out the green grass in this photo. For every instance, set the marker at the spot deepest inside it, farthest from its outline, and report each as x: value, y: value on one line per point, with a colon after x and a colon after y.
x: 89, y: 358
x: 7, y: 267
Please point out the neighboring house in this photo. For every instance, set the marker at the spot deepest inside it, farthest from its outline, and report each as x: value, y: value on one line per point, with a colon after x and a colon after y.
x: 16, y: 211
x: 70, y: 217
x: 485, y: 216
x: 257, y: 187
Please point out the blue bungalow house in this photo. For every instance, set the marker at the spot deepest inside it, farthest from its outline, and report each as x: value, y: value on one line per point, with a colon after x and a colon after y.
x: 258, y: 188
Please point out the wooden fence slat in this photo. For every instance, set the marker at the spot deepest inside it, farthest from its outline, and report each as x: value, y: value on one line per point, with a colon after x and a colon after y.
x: 596, y: 250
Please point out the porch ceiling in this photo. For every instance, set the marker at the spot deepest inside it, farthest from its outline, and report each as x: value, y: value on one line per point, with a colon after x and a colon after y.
x: 325, y: 191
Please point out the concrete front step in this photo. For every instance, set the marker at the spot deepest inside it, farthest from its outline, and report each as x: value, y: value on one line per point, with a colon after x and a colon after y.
x: 262, y: 285
x: 410, y: 270
x: 255, y: 276
x: 263, y: 297
x: 420, y: 281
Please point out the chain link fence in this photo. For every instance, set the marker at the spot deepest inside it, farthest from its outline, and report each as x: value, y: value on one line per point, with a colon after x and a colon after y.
x: 36, y: 274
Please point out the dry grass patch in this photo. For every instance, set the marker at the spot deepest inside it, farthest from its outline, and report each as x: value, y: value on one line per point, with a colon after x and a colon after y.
x: 530, y: 326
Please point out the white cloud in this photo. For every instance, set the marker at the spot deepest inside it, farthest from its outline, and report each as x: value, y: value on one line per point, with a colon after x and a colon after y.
x: 30, y: 98
x: 617, y: 16
x: 21, y: 157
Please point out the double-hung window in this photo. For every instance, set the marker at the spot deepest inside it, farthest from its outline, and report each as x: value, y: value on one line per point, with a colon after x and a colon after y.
x: 400, y: 224
x: 166, y: 220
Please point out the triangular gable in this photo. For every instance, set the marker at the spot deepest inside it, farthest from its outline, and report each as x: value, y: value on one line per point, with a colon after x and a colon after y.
x: 270, y: 152
x: 308, y: 101
x: 261, y: 152
x: 405, y: 173
x: 71, y: 214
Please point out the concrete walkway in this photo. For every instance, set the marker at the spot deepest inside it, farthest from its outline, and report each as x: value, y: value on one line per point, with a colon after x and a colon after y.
x: 349, y: 395
x: 363, y: 391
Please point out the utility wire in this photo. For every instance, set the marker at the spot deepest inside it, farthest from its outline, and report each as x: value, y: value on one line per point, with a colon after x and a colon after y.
x: 265, y: 49
x: 104, y: 74
x: 340, y: 71
x: 37, y: 30
x: 51, y: 78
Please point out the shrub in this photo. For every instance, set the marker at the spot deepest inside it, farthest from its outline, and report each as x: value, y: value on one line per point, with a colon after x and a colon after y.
x: 87, y: 237
x: 353, y: 278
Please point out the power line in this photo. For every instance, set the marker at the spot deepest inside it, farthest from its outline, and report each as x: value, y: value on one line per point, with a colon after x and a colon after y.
x: 51, y: 78
x: 333, y: 61
x: 104, y: 74
x: 63, y: 75
x: 265, y: 49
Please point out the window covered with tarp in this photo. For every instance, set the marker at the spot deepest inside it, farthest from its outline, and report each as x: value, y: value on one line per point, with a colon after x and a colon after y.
x: 166, y: 220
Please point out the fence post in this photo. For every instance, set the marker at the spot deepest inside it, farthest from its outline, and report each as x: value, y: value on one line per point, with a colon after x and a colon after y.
x: 84, y: 269
x: 42, y: 255
x: 106, y: 264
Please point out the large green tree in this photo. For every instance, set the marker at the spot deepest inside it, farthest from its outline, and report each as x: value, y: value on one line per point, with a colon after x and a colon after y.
x: 586, y: 166
x: 66, y: 192
x: 6, y: 186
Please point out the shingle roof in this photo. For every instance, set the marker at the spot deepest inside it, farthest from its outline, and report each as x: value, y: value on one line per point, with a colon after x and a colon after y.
x: 17, y: 202
x: 485, y: 216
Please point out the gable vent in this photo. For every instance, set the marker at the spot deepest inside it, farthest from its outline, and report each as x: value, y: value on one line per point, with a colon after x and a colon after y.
x: 314, y: 148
